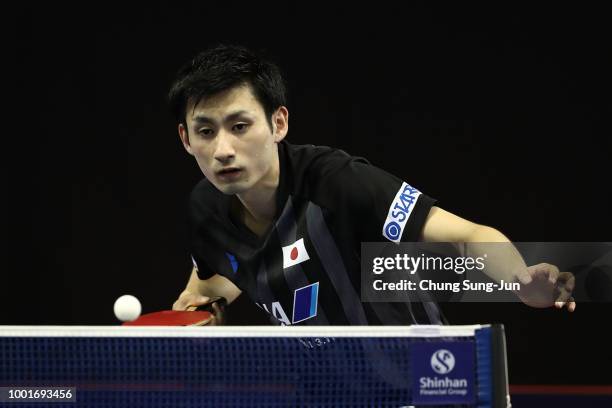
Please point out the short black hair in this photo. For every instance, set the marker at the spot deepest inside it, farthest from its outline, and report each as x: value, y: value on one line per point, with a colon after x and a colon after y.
x: 223, y: 67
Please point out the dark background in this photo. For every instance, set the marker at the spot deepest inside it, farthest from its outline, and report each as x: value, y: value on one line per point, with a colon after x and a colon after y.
x: 500, y: 112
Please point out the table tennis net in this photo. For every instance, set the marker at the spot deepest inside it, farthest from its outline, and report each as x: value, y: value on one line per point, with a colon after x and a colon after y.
x: 241, y: 367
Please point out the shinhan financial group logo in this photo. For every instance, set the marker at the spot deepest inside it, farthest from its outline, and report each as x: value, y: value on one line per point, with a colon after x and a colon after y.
x: 442, y: 361
x: 444, y: 372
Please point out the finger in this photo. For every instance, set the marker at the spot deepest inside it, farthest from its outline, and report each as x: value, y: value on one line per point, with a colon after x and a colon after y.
x: 208, y: 322
x: 563, y: 297
x: 565, y: 286
x: 219, y: 309
x: 539, y: 272
x: 198, y: 300
x: 190, y: 302
x: 218, y: 312
x: 566, y: 281
x: 523, y: 276
x: 213, y: 321
x: 571, y: 304
x: 551, y: 272
x: 180, y: 304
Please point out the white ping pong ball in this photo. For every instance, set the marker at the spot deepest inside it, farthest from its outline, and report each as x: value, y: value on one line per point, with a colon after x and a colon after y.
x: 127, y: 308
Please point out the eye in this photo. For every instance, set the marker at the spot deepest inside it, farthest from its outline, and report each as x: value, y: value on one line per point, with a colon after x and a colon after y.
x: 240, y: 127
x: 205, y: 132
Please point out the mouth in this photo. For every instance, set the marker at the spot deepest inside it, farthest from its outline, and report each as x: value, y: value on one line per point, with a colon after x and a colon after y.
x: 229, y: 172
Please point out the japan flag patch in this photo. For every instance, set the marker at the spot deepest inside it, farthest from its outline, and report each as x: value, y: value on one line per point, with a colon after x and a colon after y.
x: 295, y: 253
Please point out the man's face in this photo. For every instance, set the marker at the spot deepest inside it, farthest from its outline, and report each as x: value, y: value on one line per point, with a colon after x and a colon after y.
x: 230, y: 138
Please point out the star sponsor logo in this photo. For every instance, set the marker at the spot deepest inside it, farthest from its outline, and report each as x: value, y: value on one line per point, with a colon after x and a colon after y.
x: 399, y: 212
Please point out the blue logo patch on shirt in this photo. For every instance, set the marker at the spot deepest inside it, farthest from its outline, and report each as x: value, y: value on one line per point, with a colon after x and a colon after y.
x: 233, y: 261
x: 399, y: 212
x: 305, y: 302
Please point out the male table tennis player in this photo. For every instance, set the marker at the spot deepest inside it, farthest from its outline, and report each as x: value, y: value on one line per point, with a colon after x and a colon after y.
x: 284, y: 223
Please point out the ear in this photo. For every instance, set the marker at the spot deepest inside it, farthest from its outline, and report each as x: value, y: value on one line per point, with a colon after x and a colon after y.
x: 280, y: 124
x: 184, y: 135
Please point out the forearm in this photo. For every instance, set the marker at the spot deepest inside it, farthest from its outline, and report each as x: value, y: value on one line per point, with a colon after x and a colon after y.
x: 503, y: 260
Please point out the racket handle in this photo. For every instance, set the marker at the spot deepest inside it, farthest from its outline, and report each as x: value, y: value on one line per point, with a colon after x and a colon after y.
x: 219, y: 300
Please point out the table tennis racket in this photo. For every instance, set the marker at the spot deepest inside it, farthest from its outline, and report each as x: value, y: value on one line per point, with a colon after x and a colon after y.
x: 199, y: 317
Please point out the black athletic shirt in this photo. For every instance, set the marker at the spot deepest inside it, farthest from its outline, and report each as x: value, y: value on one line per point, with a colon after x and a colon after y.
x: 306, y: 268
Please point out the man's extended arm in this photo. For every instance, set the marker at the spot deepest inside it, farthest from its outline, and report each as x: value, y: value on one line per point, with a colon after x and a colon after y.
x: 505, y: 263
x: 541, y: 284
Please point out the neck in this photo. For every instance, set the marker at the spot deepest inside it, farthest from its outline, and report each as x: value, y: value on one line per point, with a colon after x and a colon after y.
x: 259, y: 203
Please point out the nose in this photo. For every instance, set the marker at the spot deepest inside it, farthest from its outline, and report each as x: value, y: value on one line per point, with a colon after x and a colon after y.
x: 224, y: 150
